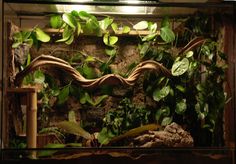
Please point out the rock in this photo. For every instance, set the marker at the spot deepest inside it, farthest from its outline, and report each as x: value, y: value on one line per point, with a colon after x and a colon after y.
x: 172, y: 136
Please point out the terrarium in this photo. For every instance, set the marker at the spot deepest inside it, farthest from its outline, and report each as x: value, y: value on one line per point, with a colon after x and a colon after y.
x: 128, y: 80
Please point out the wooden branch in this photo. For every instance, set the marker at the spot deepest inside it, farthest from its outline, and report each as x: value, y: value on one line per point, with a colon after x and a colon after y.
x: 131, y: 32
x: 192, y: 44
x: 110, y: 79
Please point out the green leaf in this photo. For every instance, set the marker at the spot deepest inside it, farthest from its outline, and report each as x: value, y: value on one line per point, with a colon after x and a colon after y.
x: 163, y: 111
x: 92, y: 27
x: 52, y: 145
x: 16, y: 44
x: 109, y: 40
x: 110, y: 52
x: 88, y: 99
x: 167, y: 34
x: 180, y: 67
x: 106, y: 39
x: 165, y: 22
x: 79, y: 30
x: 74, y: 145
x: 88, y: 71
x: 180, y: 88
x: 83, y: 98
x: 114, y: 27
x: 70, y: 40
x: 105, y: 23
x: 36, y: 42
x: 126, y: 29
x: 84, y: 15
x: 25, y: 35
x: 39, y: 77
x: 90, y: 59
x: 200, y: 87
x: 149, y: 37
x: 159, y: 94
x: 141, y: 25
x: 166, y: 121
x: 29, y: 41
x: 56, y: 21
x: 74, y: 128
x: 144, y: 48
x: 28, y: 60
x: 63, y: 95
x: 152, y: 27
x: 181, y: 106
x: 70, y: 20
x: 66, y: 34
x: 113, y: 40
x: 40, y: 35
x: 104, y: 136
x: 99, y: 99
x: 75, y: 13
x: 189, y: 54
x: 18, y: 37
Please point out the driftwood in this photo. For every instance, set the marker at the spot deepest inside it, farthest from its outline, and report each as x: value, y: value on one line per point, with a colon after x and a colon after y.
x: 172, y: 136
x: 111, y: 79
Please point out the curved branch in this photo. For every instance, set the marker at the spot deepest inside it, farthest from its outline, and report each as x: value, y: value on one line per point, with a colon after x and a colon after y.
x: 110, y: 79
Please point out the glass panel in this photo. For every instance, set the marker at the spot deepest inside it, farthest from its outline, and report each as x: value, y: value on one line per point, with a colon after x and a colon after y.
x: 44, y: 9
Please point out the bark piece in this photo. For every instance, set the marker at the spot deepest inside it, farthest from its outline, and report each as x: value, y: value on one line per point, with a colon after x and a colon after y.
x: 172, y: 136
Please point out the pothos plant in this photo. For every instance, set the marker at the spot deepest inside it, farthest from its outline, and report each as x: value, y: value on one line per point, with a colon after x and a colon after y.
x: 193, y: 96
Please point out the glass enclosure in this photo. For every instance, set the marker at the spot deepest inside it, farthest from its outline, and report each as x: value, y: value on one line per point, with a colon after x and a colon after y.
x: 133, y: 81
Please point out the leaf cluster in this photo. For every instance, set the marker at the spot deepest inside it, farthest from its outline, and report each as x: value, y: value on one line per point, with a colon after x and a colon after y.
x: 125, y: 117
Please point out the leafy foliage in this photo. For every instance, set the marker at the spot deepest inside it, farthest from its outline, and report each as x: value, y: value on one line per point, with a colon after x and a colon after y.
x: 30, y: 37
x: 122, y: 119
x: 194, y: 96
x: 73, y: 128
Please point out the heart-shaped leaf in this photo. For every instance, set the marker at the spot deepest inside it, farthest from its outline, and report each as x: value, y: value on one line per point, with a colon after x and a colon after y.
x: 70, y: 20
x: 126, y: 29
x: 189, y: 54
x: 109, y: 40
x: 166, y: 121
x: 75, y: 13
x: 105, y: 23
x: 152, y: 27
x: 56, y: 21
x: 181, y: 106
x: 165, y: 22
x: 42, y: 36
x: 114, y: 27
x: 63, y: 95
x: 88, y: 71
x: 163, y: 112
x: 141, y: 25
x: 110, y: 52
x: 113, y: 40
x: 70, y: 40
x: 84, y: 15
x: 159, y: 94
x: 149, y: 37
x: 180, y: 67
x: 167, y: 34
x: 66, y: 34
